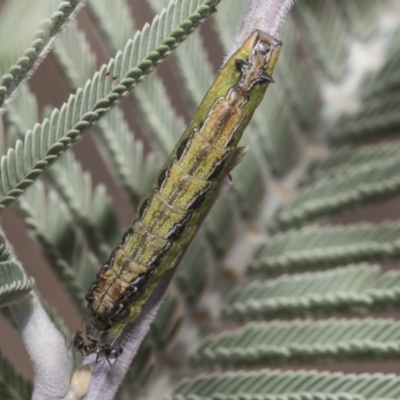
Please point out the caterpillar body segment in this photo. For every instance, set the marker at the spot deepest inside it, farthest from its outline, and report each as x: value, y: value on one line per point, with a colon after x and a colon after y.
x: 169, y: 216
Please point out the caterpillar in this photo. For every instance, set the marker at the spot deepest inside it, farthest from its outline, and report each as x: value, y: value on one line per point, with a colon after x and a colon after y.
x: 168, y: 217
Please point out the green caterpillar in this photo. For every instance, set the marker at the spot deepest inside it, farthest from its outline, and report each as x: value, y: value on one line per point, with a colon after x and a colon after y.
x: 169, y: 216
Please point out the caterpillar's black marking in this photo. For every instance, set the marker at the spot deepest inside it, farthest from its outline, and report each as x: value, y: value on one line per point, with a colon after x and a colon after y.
x: 162, y: 177
x: 218, y: 166
x: 176, y: 231
x: 182, y: 149
x: 199, y: 199
x: 143, y: 207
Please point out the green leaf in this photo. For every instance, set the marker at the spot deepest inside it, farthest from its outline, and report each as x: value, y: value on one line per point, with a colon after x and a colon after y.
x: 323, y: 28
x: 268, y: 382
x: 334, y: 195
x: 2, y: 138
x: 351, y: 289
x: 135, y: 169
x: 74, y: 56
x: 14, y: 285
x: 361, y: 16
x: 195, y: 273
x: 165, y: 125
x: 378, y: 117
x: 85, y: 107
x: 322, y: 247
x: 113, y: 20
x: 167, y: 323
x: 221, y: 224
x: 307, y: 342
x: 300, y: 85
x: 346, y: 158
x: 286, y: 396
x: 48, y: 220
x: 23, y: 113
x: 89, y: 205
x: 37, y: 50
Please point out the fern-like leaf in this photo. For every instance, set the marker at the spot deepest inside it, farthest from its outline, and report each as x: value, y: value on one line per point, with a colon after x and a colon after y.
x: 23, y: 113
x: 269, y: 382
x: 347, y: 158
x: 167, y: 323
x: 90, y: 206
x: 276, y: 137
x: 322, y: 26
x: 384, y: 81
x: 379, y: 116
x: 47, y: 219
x: 74, y: 56
x: 13, y: 284
x: 227, y: 20
x: 165, y: 125
x: 263, y: 344
x: 286, y: 396
x: 361, y: 16
x: 347, y: 290
x: 301, y: 87
x: 320, y: 247
x: 334, y: 195
x: 221, y: 224
x: 114, y: 21
x: 46, y: 142
x: 135, y: 169
x: 34, y: 54
x: 151, y: 97
x: 195, y: 68
x: 262, y: 299
x: 194, y: 274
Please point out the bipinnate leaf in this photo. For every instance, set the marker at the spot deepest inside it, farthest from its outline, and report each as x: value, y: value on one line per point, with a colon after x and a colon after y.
x: 151, y: 96
x: 333, y: 340
x: 354, y: 289
x: 322, y: 27
x: 41, y: 147
x: 167, y: 323
x: 134, y: 167
x: 89, y: 205
x: 48, y: 220
x: 14, y: 284
x: 333, y: 195
x: 196, y: 271
x: 43, y: 40
x: 387, y: 78
x: 23, y: 113
x: 113, y: 20
x: 265, y: 383
x: 323, y: 247
x: 378, y: 117
x: 74, y: 56
x: 361, y: 16
x: 348, y: 159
